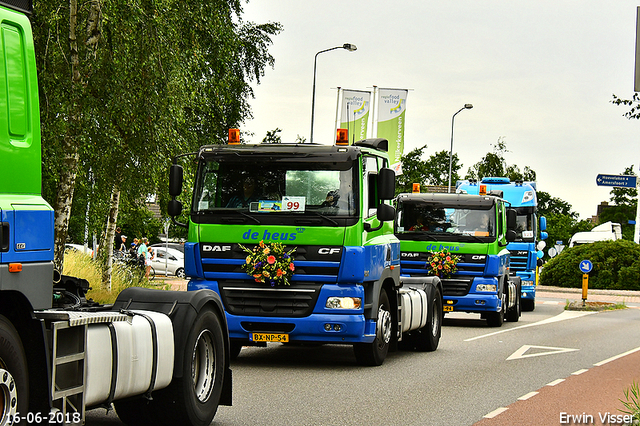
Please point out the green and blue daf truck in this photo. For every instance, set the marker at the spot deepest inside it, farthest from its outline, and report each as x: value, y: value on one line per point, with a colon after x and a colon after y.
x: 471, y: 231
x: 323, y: 214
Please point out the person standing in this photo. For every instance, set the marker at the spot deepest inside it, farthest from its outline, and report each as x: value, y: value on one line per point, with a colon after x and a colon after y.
x: 118, y: 238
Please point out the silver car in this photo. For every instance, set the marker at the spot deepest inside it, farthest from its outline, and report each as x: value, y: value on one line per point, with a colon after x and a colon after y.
x: 168, y: 261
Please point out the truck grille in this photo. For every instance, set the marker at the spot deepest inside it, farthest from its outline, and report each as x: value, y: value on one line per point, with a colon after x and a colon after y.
x: 241, y: 295
x: 518, y: 260
x: 469, y: 266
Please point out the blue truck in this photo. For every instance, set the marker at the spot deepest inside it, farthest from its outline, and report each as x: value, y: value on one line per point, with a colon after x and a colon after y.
x: 523, y: 199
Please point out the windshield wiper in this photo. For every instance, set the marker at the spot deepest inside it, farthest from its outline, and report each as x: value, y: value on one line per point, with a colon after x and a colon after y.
x: 250, y: 217
x: 327, y: 218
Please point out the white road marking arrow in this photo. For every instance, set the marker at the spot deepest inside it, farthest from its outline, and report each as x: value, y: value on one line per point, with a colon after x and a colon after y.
x: 547, y: 350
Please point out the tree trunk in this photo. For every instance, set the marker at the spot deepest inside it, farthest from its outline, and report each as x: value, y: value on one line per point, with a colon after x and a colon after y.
x: 112, y: 218
x: 66, y: 185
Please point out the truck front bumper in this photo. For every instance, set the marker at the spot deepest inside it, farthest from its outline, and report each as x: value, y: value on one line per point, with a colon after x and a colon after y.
x: 323, y: 325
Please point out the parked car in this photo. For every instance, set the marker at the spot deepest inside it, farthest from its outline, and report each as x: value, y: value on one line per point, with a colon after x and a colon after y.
x: 79, y: 247
x: 168, y: 261
x: 175, y: 246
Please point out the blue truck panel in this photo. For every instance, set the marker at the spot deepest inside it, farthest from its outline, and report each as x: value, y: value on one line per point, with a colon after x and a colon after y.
x: 523, y: 196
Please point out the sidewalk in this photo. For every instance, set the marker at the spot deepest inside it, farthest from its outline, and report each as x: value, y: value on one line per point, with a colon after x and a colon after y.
x: 595, y: 295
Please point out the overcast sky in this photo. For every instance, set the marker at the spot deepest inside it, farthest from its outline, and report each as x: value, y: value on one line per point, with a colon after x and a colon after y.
x: 539, y: 74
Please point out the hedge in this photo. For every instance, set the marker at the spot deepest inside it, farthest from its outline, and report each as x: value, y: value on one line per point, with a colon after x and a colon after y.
x: 616, y: 265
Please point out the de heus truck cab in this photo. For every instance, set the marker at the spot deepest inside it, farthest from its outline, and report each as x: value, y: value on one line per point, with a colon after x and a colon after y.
x: 473, y: 228
x: 522, y: 197
x: 329, y: 208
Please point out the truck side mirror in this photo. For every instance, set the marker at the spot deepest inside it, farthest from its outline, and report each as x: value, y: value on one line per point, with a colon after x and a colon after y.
x: 511, y: 220
x: 543, y: 223
x: 175, y: 180
x: 385, y: 213
x: 174, y: 208
x: 386, y: 184
x: 511, y: 235
x: 544, y: 235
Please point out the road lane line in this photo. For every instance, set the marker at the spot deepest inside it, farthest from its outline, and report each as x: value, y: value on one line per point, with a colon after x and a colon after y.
x: 575, y: 373
x: 495, y: 412
x: 565, y: 315
x: 555, y: 382
x: 527, y: 396
x: 613, y: 358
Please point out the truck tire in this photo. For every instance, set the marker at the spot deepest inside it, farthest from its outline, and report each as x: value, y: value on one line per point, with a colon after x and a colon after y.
x: 495, y: 319
x: 528, y: 305
x: 14, y: 375
x: 513, y: 314
x: 193, y: 398
x: 428, y: 337
x: 374, y: 353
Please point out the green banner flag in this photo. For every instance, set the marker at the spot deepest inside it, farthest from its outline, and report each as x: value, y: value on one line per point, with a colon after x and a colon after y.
x: 355, y: 113
x: 392, y: 105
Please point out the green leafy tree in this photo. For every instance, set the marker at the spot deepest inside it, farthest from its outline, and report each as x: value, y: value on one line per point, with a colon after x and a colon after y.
x: 273, y: 136
x: 433, y: 171
x: 562, y: 221
x: 126, y: 85
x: 493, y: 164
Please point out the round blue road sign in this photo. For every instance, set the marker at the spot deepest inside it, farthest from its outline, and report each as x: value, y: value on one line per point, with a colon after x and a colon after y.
x: 586, y: 266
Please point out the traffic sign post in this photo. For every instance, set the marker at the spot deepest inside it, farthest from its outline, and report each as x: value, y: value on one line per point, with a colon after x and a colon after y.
x: 585, y: 267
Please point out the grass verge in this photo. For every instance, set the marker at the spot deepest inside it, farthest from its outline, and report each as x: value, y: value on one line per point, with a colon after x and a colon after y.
x: 81, y: 265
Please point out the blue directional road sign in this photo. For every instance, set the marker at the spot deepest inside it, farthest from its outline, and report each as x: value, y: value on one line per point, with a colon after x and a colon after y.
x: 624, y: 181
x: 586, y: 266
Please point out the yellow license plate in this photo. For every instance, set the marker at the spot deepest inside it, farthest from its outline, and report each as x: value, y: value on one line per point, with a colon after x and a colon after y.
x: 269, y: 337
x: 447, y: 308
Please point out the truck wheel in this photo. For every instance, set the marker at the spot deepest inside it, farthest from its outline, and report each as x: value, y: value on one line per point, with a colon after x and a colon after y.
x: 495, y: 319
x: 513, y: 314
x: 374, y: 353
x: 14, y: 376
x: 528, y: 305
x: 428, y: 337
x: 193, y: 398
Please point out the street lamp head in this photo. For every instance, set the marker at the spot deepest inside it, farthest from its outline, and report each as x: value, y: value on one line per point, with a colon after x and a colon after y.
x: 350, y: 47
x: 468, y: 106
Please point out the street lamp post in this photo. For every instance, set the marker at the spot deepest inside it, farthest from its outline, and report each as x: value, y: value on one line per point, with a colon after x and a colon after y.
x: 466, y: 106
x: 347, y: 46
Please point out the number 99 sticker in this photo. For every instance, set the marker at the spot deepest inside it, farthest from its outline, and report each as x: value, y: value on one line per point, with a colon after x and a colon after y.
x: 293, y: 204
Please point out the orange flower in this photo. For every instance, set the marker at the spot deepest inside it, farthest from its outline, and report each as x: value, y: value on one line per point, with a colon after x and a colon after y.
x: 271, y: 260
x: 279, y: 273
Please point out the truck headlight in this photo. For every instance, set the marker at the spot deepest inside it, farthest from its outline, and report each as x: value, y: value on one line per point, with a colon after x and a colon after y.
x: 486, y: 287
x: 527, y: 282
x: 343, y: 303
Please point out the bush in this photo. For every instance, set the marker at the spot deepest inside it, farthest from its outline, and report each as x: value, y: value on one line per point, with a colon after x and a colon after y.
x: 616, y: 265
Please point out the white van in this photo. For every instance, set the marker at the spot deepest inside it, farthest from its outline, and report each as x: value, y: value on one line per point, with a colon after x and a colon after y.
x: 607, y: 231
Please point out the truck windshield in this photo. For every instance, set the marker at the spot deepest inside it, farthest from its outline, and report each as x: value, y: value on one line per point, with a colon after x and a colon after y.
x: 441, y: 222
x: 525, y: 224
x: 286, y: 186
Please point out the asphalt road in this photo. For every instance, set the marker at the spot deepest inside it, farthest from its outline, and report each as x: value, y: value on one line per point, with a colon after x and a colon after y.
x: 475, y: 372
